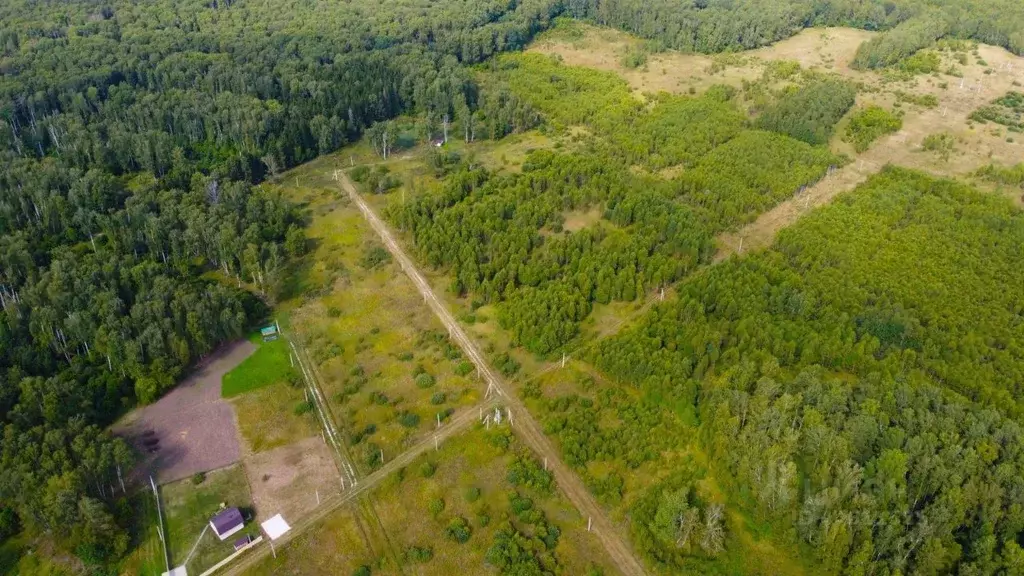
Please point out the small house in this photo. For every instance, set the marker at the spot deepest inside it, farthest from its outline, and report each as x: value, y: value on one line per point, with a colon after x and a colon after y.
x: 242, y: 542
x: 227, y: 522
x: 269, y: 333
x: 438, y: 142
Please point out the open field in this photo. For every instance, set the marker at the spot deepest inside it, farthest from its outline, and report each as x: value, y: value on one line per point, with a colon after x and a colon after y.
x: 191, y: 429
x: 267, y: 418
x: 337, y: 546
x: 469, y: 478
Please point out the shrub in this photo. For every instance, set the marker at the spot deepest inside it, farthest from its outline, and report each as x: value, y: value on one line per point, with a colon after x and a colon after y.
x: 526, y: 471
x: 409, y: 419
x: 418, y: 554
x: 435, y: 506
x: 303, y: 407
x: 464, y: 367
x: 425, y: 380
x: 506, y: 364
x: 198, y: 478
x: 427, y: 469
x: 634, y: 57
x: 942, y: 144
x: 438, y: 398
x: 870, y: 123
x: 374, y: 257
x: 458, y: 530
x: 924, y: 62
x: 472, y: 494
x: 359, y: 173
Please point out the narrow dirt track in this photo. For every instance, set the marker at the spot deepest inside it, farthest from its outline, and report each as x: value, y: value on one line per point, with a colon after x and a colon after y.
x: 369, y: 482
x: 522, y: 422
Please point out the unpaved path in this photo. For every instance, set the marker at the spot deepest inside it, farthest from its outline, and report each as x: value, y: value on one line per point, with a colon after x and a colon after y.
x: 522, y: 422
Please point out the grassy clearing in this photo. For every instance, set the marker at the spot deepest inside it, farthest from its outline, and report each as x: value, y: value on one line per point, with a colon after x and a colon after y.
x: 267, y: 417
x: 470, y: 478
x: 270, y: 364
x: 337, y: 547
x: 388, y: 368
x: 188, y: 508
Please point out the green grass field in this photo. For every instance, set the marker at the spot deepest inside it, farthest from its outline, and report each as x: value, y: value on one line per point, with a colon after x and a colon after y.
x: 268, y: 365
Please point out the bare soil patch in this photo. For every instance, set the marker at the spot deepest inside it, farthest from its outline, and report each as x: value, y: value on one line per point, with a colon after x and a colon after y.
x: 286, y: 480
x: 191, y: 429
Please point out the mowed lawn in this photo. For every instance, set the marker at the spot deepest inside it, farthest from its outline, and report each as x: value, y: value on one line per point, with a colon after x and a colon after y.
x: 270, y: 364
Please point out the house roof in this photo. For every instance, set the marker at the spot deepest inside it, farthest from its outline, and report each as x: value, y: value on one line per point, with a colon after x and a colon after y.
x: 268, y: 330
x: 226, y: 520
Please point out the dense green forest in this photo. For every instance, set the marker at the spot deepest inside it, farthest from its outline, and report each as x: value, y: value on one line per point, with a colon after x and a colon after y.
x: 850, y: 390
x: 132, y: 240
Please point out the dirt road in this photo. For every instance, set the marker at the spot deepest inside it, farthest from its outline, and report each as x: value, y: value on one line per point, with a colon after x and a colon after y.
x: 522, y: 422
x: 364, y: 485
